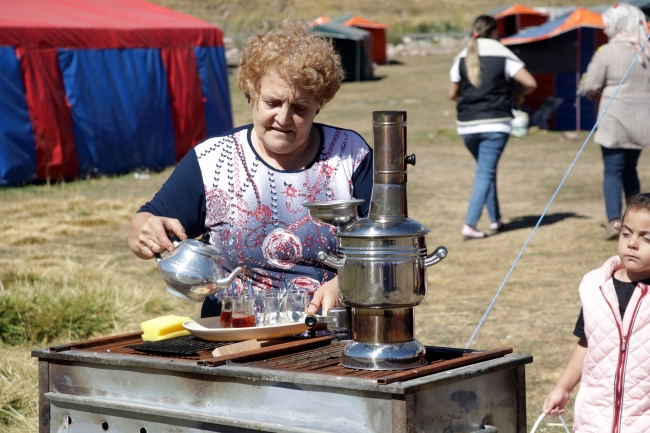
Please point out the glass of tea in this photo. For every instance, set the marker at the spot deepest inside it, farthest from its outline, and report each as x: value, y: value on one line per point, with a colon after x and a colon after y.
x: 243, y: 311
x: 226, y: 311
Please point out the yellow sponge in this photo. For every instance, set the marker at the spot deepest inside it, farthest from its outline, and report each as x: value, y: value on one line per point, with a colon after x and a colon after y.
x: 164, y: 327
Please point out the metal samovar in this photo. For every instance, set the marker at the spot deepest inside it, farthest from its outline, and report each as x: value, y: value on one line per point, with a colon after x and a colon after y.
x: 381, y: 260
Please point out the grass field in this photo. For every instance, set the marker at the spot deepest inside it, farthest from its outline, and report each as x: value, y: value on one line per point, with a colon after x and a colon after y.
x: 67, y: 274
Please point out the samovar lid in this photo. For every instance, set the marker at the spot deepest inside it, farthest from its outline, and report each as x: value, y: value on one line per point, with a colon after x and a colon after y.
x: 384, y: 228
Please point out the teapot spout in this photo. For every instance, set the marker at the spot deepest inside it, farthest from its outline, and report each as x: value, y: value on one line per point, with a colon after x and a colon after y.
x: 227, y: 281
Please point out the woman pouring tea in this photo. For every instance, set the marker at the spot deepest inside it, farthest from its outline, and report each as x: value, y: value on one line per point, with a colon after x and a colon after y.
x: 246, y: 187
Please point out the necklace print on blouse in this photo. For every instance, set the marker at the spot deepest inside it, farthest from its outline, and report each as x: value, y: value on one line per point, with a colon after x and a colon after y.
x: 243, y: 206
x: 325, y: 171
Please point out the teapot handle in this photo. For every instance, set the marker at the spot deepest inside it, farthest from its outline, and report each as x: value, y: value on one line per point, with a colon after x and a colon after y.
x: 175, y: 241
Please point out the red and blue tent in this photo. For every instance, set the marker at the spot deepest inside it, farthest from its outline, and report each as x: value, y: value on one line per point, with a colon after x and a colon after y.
x: 93, y: 87
x: 557, y: 53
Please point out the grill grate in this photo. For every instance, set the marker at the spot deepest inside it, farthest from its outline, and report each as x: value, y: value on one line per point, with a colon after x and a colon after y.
x: 187, y: 345
x: 120, y: 345
x: 320, y: 355
x: 327, y: 360
x: 323, y: 360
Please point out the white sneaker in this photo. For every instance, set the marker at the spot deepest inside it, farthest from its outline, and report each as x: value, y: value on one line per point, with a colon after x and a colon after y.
x: 470, y: 232
x: 496, y: 226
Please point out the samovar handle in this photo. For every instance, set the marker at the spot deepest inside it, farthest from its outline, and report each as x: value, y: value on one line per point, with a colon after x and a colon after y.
x: 332, y: 261
x: 435, y: 257
x: 337, y: 319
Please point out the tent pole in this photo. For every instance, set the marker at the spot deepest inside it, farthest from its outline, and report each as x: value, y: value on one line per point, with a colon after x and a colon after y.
x: 578, y: 83
x: 358, y: 74
x: 518, y: 21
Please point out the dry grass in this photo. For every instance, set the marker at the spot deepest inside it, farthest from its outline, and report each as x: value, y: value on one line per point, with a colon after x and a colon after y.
x: 66, y: 274
x: 69, y: 240
x: 244, y: 16
x: 18, y: 388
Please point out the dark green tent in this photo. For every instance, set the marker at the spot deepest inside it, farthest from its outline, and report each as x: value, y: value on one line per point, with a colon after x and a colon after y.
x: 644, y: 5
x: 353, y: 45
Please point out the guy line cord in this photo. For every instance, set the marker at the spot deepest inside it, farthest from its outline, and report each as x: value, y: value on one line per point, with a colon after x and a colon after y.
x: 556, y: 192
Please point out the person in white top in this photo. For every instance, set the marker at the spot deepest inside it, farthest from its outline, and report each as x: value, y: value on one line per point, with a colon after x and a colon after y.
x: 486, y: 77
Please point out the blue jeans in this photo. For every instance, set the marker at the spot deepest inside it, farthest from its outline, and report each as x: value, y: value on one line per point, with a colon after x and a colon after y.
x: 620, y: 175
x: 486, y: 148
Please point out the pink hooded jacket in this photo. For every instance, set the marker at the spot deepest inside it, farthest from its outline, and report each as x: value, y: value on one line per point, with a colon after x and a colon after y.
x: 614, y: 394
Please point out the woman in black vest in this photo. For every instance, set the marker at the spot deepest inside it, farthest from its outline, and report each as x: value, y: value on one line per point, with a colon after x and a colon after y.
x: 484, y: 78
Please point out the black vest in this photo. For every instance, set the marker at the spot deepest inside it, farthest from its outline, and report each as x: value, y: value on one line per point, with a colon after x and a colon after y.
x: 490, y: 101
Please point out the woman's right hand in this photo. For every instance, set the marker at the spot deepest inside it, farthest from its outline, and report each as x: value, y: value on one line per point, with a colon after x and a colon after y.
x: 148, y: 234
x: 555, y: 401
x: 325, y: 297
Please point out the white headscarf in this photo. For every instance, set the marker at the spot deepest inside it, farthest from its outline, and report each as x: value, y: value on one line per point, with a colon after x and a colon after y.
x: 625, y: 22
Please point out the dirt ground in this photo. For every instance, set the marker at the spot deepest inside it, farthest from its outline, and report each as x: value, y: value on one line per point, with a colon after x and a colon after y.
x: 78, y: 229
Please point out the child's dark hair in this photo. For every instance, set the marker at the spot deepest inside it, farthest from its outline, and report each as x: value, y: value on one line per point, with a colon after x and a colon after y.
x: 638, y: 202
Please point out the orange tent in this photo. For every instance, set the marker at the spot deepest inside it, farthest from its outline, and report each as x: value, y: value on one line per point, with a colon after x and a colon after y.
x: 577, y: 19
x: 513, y: 19
x: 557, y: 54
x: 377, y: 32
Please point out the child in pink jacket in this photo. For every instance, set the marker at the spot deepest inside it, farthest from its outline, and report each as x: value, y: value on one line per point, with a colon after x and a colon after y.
x: 612, y: 359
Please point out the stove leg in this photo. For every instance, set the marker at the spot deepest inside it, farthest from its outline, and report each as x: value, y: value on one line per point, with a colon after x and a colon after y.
x: 403, y: 416
x: 520, y: 386
x: 43, y: 402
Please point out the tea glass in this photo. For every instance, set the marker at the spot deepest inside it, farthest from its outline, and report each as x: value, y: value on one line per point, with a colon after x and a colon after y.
x: 226, y: 310
x: 296, y: 305
x: 259, y: 295
x: 275, y: 308
x: 309, y: 285
x: 243, y: 311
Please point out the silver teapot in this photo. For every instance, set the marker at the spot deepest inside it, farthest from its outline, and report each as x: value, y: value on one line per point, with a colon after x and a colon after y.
x: 192, y: 270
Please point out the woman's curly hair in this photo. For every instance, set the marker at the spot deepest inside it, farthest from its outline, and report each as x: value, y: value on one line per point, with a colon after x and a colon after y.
x: 297, y: 56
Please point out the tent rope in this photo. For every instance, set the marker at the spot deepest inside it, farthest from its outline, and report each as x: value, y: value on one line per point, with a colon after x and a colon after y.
x: 556, y: 193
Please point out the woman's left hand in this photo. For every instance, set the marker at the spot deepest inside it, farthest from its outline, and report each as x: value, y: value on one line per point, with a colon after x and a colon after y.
x: 327, y: 296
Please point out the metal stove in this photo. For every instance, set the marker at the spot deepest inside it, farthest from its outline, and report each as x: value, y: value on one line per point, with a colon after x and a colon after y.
x: 381, y: 380
x: 287, y: 386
